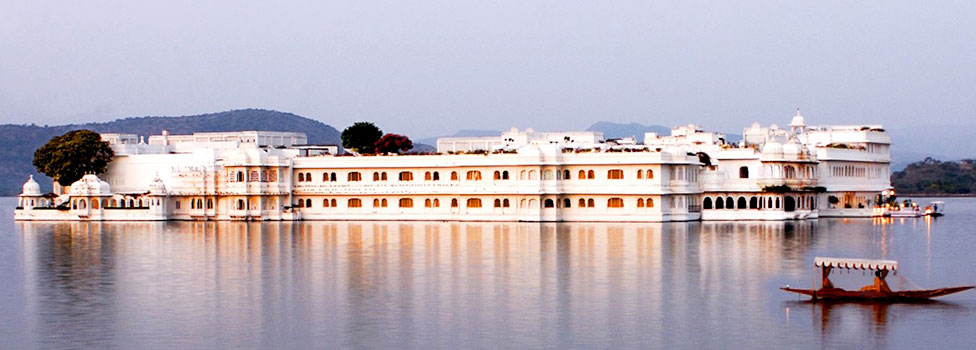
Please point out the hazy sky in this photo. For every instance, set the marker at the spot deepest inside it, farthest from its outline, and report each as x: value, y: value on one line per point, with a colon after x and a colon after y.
x: 427, y: 68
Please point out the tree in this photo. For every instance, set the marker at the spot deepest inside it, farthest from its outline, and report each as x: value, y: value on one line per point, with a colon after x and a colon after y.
x: 361, y: 137
x: 68, y: 157
x: 393, y: 143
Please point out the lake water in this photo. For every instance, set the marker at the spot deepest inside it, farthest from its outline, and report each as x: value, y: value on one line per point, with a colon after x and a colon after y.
x: 475, y: 285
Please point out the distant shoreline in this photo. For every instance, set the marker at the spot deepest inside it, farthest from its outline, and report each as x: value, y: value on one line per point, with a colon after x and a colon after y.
x: 934, y: 195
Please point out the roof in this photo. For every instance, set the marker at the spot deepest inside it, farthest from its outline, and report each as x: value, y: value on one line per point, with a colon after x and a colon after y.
x: 860, y: 264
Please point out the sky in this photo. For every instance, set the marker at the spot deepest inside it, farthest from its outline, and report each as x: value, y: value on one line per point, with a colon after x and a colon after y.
x: 427, y: 68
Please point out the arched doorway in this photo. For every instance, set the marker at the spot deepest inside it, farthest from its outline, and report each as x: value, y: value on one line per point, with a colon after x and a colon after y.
x: 789, y: 204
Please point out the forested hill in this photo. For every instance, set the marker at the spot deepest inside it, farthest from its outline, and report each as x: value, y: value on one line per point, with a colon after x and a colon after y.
x: 18, y: 142
x: 934, y: 177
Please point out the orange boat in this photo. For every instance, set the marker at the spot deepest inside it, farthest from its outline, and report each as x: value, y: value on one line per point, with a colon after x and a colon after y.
x: 878, y: 291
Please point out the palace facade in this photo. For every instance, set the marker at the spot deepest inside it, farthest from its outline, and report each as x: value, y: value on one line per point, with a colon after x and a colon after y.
x: 771, y: 174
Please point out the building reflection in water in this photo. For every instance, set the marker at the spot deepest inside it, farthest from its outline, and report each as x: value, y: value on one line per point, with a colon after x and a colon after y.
x: 406, y: 284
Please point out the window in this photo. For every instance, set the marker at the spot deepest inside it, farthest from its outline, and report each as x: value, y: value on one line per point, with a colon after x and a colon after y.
x: 406, y: 176
x: 719, y: 203
x: 308, y: 203
x: 383, y: 176
x: 325, y: 177
x: 505, y: 175
x: 273, y: 175
x: 454, y: 203
x: 590, y: 203
x: 427, y: 176
x: 301, y: 177
x: 741, y: 204
x: 582, y: 175
x: 590, y: 175
x: 354, y: 176
x: 549, y: 203
x: 437, y: 176
x: 548, y: 175
x: 240, y: 176
x: 406, y: 203
x: 582, y: 203
x: 254, y: 176
x: 640, y: 174
x: 473, y: 175
x: 649, y: 203
x: 332, y: 177
x: 383, y: 203
x: 498, y: 202
x: 240, y: 204
x: 437, y: 202
x: 615, y: 202
x: 376, y: 202
x: 753, y: 203
x: 454, y: 176
x: 354, y: 203
x: 94, y: 204
x: 427, y: 201
x: 790, y: 172
x: 325, y: 203
x: 177, y: 204
x: 498, y: 175
x: 505, y: 203
x: 744, y: 172
x: 210, y: 204
x: 707, y: 203
x: 615, y: 174
x: 308, y: 177
x: 565, y: 174
x: 640, y: 202
x: 333, y: 201
x: 473, y: 203
x: 567, y: 203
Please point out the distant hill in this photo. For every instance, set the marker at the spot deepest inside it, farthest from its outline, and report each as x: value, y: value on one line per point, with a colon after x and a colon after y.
x: 935, y: 177
x: 18, y: 142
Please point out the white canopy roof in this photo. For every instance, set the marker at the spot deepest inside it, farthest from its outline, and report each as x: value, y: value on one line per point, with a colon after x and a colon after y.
x: 862, y: 264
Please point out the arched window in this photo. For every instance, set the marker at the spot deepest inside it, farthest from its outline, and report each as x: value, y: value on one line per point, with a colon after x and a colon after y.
x: 790, y: 172
x: 741, y: 204
x: 729, y: 203
x: 640, y: 202
x: 240, y: 176
x: 240, y: 204
x: 615, y: 202
x: 308, y: 203
x: 406, y: 203
x: 354, y: 176
x: 590, y: 203
x: 94, y: 204
x: 743, y: 172
x: 325, y: 177
x: 532, y: 175
x: 753, y: 203
x: 777, y: 202
x: 548, y: 175
x: 454, y: 176
x: 719, y: 203
x: 193, y: 204
x: 376, y: 202
x: 582, y: 175
x: 383, y: 176
x: 130, y: 203
x: 505, y: 175
x: 649, y: 203
x: 615, y: 174
x: 437, y: 176
x: 199, y: 204
x: 332, y: 177
x: 498, y: 202
x: 473, y: 175
x: 498, y: 175
x: 427, y: 176
x: 210, y: 203
x: 707, y: 203
x: 567, y: 203
x: 506, y: 203
x: 376, y: 176
x: 565, y: 174
x: 437, y: 203
x: 325, y: 203
x: 649, y: 174
x: 454, y: 203
x: 427, y: 201
x: 406, y: 176
x: 473, y: 203
x: 354, y: 203
x: 301, y: 177
x: 383, y: 203
x: 582, y: 203
x: 549, y: 203
x: 590, y: 175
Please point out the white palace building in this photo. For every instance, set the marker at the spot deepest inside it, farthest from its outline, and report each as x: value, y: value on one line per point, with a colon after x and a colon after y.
x: 800, y: 172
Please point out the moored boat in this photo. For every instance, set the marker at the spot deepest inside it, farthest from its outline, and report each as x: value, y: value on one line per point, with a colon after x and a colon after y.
x: 878, y: 291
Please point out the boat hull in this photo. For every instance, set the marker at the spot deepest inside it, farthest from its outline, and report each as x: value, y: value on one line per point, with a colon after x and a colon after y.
x: 878, y: 296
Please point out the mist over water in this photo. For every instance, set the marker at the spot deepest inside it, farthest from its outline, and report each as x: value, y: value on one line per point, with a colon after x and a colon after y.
x: 474, y: 285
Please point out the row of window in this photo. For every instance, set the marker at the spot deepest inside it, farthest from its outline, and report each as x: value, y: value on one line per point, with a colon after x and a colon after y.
x: 791, y: 203
x: 475, y: 175
x: 109, y: 204
x: 614, y: 202
x: 254, y: 176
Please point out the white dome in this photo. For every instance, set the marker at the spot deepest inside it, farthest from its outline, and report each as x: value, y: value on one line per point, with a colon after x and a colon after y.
x: 90, y: 185
x: 157, y: 187
x: 772, y: 148
x: 31, y: 187
x: 792, y: 148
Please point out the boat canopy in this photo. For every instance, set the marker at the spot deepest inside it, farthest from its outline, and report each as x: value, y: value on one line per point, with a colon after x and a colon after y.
x: 859, y: 264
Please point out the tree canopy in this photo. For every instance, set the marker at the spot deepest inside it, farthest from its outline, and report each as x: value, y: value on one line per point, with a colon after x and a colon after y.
x: 932, y: 176
x: 68, y: 157
x: 393, y: 143
x: 361, y: 137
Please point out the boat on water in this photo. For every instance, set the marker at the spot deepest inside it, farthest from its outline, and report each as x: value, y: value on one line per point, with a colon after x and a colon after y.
x: 875, y: 292
x: 935, y: 208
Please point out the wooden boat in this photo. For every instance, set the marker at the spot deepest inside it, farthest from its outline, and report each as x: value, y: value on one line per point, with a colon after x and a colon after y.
x: 934, y: 209
x: 877, y: 292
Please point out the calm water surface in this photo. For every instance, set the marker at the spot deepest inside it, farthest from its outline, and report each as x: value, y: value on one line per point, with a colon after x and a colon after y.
x: 474, y: 285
